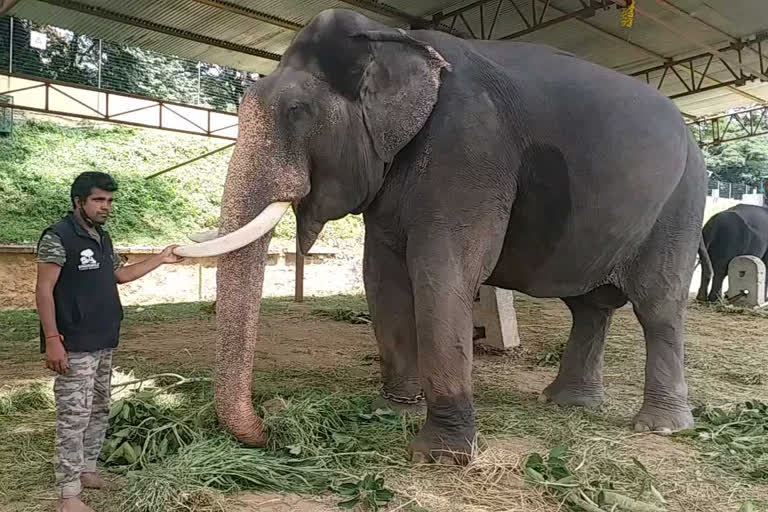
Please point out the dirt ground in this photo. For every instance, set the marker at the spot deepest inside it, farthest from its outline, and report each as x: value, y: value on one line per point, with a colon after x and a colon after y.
x: 721, y: 350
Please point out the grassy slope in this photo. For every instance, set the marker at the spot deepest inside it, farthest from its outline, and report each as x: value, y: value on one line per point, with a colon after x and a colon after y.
x: 38, y: 163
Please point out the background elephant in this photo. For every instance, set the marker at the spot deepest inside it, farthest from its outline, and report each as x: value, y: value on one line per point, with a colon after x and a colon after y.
x: 741, y: 230
x: 504, y: 163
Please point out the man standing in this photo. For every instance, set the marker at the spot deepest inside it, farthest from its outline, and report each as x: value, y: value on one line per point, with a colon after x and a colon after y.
x: 80, y: 315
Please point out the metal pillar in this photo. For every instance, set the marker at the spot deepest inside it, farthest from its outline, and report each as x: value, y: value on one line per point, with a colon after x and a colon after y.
x: 299, y: 290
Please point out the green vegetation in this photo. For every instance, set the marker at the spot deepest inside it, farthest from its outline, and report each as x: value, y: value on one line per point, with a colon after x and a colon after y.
x: 735, y: 437
x: 326, y: 439
x: 39, y: 161
x: 743, y: 161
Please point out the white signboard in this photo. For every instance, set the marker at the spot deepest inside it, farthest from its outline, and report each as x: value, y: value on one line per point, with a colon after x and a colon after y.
x: 38, y: 40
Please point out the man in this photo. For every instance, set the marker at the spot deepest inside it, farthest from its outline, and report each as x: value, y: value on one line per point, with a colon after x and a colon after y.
x: 80, y: 314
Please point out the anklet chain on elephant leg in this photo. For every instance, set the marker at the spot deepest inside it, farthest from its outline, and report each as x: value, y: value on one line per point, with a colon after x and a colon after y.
x: 404, y: 399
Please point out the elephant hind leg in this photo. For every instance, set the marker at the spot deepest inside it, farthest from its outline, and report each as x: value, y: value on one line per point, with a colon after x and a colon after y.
x: 579, y: 380
x: 716, y: 293
x: 706, y: 278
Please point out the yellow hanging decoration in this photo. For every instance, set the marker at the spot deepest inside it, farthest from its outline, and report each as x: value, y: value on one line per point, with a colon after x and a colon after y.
x: 628, y: 14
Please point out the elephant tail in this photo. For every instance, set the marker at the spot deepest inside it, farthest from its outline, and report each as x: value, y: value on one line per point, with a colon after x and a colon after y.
x: 706, y: 269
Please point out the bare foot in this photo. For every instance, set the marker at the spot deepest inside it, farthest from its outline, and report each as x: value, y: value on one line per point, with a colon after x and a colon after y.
x: 92, y: 481
x: 72, y: 505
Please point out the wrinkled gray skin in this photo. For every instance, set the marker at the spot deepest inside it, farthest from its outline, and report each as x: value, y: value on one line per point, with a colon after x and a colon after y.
x: 741, y: 230
x: 472, y: 162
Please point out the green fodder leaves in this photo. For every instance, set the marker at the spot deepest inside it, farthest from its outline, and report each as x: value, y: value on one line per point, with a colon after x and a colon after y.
x: 344, y: 315
x: 33, y: 398
x: 369, y: 493
x: 141, y: 431
x: 553, y: 473
x: 221, y: 464
x: 312, y: 424
x: 736, y: 437
x: 315, y: 441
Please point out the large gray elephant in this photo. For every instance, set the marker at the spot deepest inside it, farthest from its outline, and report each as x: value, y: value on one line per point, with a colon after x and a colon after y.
x: 741, y: 230
x: 472, y: 162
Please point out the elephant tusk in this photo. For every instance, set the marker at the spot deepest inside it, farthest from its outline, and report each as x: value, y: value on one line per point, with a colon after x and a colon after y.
x: 204, y: 236
x: 255, y: 229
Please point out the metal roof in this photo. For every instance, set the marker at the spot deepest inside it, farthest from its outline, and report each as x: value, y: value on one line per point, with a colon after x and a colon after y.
x: 709, y: 55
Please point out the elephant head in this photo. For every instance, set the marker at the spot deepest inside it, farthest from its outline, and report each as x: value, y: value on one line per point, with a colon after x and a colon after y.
x: 317, y: 134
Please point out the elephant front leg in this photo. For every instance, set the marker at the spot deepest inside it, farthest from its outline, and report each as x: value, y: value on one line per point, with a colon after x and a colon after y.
x: 443, y: 306
x: 390, y: 301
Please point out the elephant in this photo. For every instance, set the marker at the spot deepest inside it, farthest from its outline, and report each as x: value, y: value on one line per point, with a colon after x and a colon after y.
x: 472, y: 162
x: 741, y: 230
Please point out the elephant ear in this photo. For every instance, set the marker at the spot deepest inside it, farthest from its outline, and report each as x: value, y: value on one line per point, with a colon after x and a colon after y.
x: 398, y: 89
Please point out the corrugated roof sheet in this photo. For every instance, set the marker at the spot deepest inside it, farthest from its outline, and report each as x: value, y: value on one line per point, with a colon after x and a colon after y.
x: 599, y: 38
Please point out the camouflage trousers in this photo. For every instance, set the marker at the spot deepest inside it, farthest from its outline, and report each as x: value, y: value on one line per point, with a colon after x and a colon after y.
x: 82, y: 417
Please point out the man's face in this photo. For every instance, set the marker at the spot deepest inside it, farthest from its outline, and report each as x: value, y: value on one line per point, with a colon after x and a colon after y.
x: 97, y: 205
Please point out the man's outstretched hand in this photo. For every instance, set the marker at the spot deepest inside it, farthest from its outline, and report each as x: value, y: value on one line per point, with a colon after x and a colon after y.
x: 169, y: 257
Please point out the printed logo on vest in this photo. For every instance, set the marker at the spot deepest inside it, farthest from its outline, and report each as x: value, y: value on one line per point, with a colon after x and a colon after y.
x: 87, y: 261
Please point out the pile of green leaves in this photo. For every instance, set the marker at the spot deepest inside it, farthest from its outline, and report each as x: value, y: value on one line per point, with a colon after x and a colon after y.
x: 553, y: 474
x: 551, y: 357
x: 141, y: 432
x: 369, y: 493
x: 317, y: 443
x: 317, y: 424
x: 735, y: 437
x: 344, y: 315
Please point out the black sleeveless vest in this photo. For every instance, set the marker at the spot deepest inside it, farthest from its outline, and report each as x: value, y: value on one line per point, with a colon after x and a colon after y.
x: 88, y: 308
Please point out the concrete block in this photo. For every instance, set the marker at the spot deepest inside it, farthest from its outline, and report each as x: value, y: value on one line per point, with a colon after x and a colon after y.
x: 494, y: 318
x: 746, y: 281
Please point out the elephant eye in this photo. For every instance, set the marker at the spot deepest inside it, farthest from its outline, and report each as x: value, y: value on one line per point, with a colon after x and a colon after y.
x: 297, y: 110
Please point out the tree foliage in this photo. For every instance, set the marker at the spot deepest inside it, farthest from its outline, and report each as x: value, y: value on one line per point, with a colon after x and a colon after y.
x: 743, y: 161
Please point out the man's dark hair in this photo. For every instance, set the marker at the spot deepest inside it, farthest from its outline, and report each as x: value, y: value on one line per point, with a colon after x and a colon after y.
x: 89, y: 180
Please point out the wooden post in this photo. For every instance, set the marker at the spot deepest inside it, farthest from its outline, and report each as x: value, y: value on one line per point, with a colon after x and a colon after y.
x: 299, y: 293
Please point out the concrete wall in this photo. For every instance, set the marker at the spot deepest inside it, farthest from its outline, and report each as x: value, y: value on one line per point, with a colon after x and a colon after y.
x: 191, y: 280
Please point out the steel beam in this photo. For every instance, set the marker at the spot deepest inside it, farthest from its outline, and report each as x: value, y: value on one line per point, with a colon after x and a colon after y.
x: 715, y: 130
x: 163, y: 29
x: 42, y: 103
x: 532, y: 18
x: 683, y: 70
x: 391, y: 12
x: 195, y: 159
x: 251, y: 13
x: 654, y: 54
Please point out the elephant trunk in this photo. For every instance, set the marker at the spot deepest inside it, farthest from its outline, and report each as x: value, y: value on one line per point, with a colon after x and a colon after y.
x: 261, y: 185
x: 240, y: 278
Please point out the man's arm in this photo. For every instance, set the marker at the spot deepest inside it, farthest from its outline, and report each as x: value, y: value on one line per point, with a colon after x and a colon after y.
x: 51, y: 257
x: 128, y: 273
x: 55, y: 354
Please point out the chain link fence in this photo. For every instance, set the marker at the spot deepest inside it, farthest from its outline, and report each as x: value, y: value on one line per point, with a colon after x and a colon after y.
x: 725, y: 190
x: 58, y: 54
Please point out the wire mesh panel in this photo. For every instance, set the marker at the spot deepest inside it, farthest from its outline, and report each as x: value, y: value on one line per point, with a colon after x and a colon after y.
x: 5, y: 43
x: 738, y: 190
x: 58, y: 54
x: 6, y: 115
x: 54, y: 53
x: 222, y: 88
x: 138, y: 71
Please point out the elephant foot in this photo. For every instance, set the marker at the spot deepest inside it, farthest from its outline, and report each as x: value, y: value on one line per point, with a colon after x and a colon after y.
x: 415, y: 409
x: 662, y: 420
x: 434, y: 446
x: 702, y: 298
x: 581, y: 395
